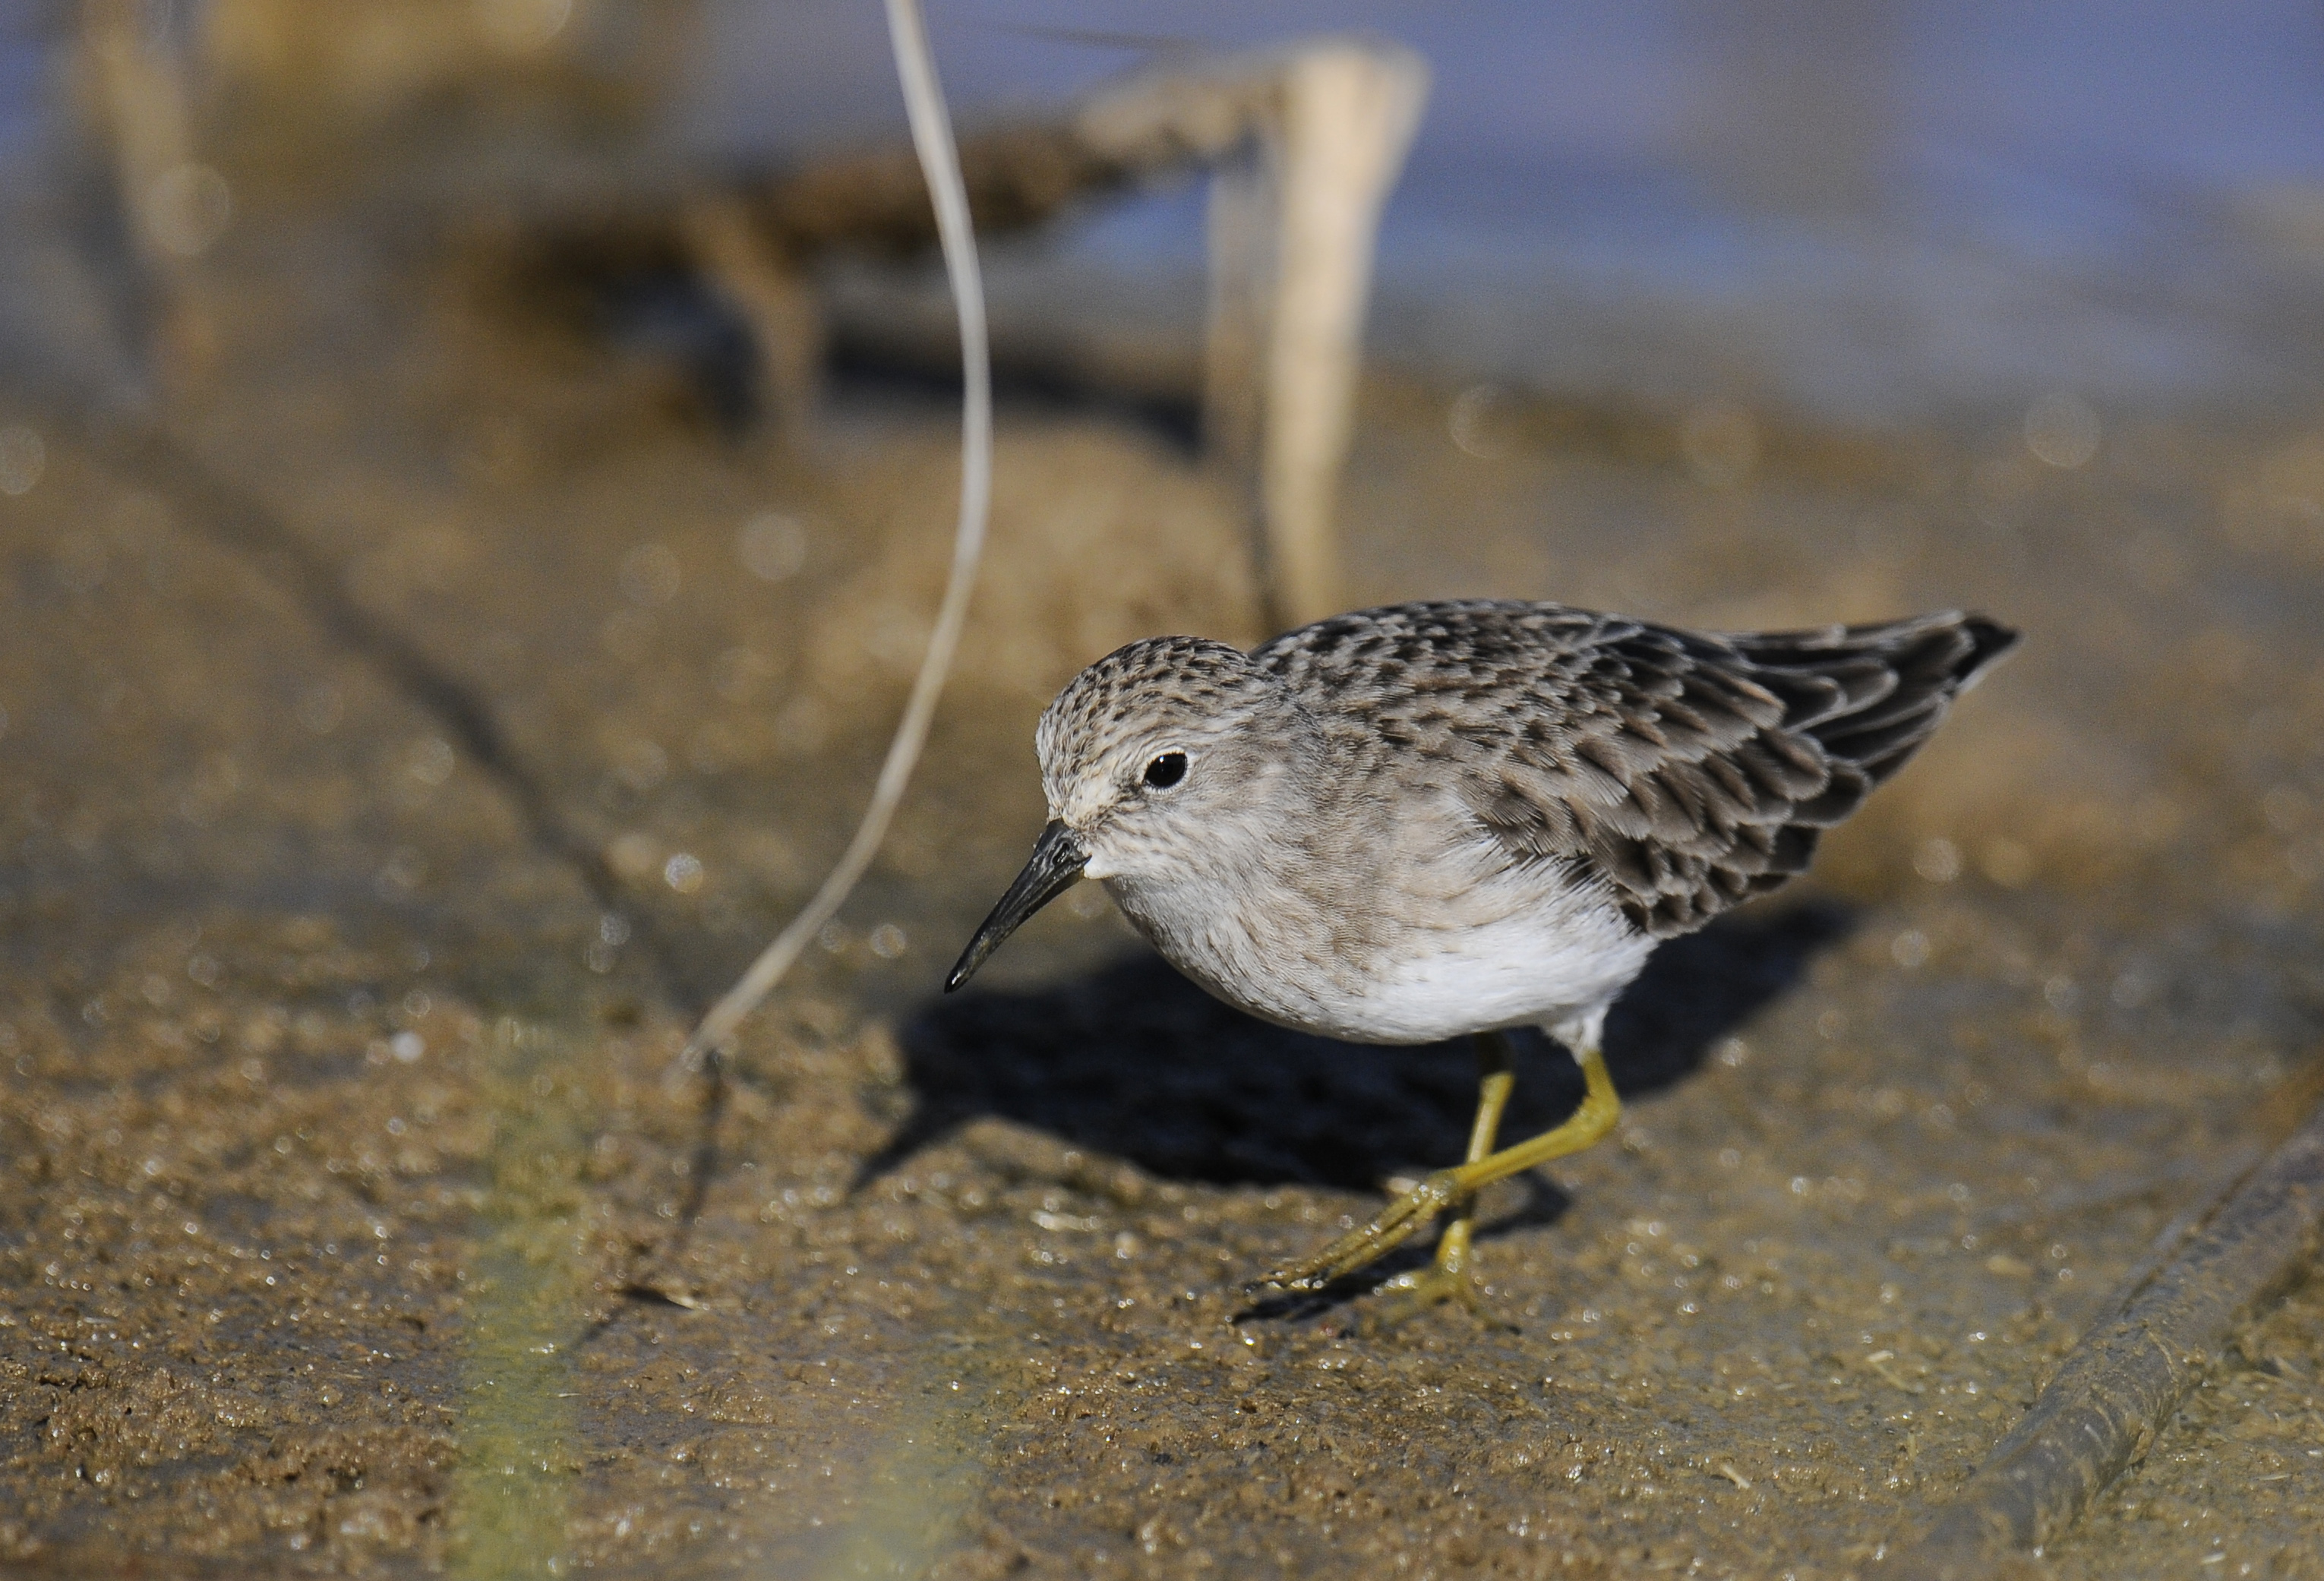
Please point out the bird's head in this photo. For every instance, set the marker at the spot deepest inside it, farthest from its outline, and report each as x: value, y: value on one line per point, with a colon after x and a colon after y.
x: 1160, y: 762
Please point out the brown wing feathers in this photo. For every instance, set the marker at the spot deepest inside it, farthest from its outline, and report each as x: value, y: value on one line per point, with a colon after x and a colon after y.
x: 1688, y: 771
x: 1927, y: 662
x: 1855, y: 702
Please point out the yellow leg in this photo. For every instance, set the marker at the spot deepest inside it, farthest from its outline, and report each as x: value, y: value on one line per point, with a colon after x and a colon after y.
x: 1395, y: 1223
x: 1449, y: 1279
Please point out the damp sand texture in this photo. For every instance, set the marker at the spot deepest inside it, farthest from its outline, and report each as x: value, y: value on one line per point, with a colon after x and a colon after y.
x: 395, y: 766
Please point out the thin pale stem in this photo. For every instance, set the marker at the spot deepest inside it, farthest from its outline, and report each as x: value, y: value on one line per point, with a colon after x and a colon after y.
x: 932, y: 139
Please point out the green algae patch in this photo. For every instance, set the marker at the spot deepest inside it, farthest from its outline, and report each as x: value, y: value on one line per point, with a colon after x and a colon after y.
x: 527, y: 1309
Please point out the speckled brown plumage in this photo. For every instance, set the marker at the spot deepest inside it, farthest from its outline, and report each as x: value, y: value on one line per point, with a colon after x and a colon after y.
x: 1409, y: 823
x: 1688, y: 770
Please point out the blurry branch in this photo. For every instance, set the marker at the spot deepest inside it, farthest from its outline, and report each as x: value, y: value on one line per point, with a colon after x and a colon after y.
x: 1024, y: 175
x: 932, y: 140
x: 1292, y: 223
x: 1303, y: 142
x: 135, y: 81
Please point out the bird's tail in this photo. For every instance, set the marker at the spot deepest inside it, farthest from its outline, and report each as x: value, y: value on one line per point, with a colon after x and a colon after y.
x: 1870, y: 696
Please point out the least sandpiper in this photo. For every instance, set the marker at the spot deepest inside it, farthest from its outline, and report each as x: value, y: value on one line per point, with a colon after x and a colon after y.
x: 1407, y: 823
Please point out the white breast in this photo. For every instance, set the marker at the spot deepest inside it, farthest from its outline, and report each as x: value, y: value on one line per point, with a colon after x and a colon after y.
x: 1507, y: 951
x: 1534, y: 969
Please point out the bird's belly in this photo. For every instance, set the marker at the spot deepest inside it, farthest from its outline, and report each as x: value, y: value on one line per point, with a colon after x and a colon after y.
x: 1522, y: 971
x: 1418, y: 984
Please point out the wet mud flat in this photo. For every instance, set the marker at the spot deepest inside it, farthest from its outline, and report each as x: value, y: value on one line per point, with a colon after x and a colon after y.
x: 395, y: 761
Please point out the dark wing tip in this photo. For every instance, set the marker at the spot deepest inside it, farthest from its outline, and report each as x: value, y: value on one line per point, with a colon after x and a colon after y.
x: 1990, y: 642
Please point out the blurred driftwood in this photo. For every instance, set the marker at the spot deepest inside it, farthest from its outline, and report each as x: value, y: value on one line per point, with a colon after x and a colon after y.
x: 1304, y: 142
x: 132, y: 78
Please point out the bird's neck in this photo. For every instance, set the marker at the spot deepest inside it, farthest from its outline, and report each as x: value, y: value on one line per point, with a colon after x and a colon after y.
x: 1276, y: 879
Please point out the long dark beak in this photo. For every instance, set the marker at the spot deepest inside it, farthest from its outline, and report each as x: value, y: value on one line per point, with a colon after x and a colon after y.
x: 1058, y: 860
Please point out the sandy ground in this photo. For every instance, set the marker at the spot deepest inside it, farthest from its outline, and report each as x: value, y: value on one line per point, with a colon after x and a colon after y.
x: 405, y: 738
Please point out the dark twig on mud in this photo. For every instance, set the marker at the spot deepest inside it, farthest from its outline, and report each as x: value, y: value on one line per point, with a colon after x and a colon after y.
x: 144, y: 449
x: 2120, y: 1385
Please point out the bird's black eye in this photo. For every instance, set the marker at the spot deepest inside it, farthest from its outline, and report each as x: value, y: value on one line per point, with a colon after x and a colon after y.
x: 1167, y: 770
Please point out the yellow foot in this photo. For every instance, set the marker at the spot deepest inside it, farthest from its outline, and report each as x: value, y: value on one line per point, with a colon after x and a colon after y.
x: 1452, y: 1188
x: 1423, y: 1290
x: 1368, y: 1244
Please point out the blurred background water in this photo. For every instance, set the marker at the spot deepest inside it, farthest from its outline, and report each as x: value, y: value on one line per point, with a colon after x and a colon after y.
x: 1891, y: 210
x: 1879, y: 209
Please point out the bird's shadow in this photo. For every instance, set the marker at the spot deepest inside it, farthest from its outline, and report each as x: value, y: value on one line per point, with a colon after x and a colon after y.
x: 1135, y: 1061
